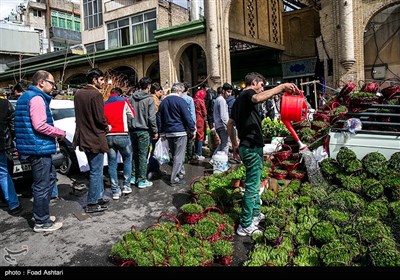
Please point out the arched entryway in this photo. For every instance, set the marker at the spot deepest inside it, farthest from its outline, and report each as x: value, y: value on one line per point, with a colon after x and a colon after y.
x: 75, y: 81
x: 126, y: 73
x: 192, y: 65
x: 382, y: 45
x: 153, y: 72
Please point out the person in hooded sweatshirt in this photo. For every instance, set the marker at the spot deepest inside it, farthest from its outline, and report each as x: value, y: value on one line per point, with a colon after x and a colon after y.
x: 141, y: 128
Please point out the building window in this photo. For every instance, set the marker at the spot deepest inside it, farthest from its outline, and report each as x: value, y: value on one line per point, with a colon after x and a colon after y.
x: 94, y: 47
x: 93, y: 14
x: 37, y: 13
x: 65, y: 21
x: 132, y: 30
x: 57, y: 46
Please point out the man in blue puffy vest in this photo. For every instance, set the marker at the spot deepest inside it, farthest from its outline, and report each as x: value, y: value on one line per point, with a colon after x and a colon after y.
x: 36, y: 140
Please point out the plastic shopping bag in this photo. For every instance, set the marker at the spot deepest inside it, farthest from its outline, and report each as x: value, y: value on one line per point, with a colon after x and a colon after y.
x: 161, y: 151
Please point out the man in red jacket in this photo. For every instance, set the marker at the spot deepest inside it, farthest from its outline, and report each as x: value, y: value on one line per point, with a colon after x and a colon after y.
x: 118, y: 110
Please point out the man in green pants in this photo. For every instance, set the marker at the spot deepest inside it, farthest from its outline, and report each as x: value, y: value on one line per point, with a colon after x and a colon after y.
x: 248, y: 124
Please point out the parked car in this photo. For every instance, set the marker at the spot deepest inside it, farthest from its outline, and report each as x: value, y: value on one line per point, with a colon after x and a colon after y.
x: 20, y: 168
x: 63, y: 112
x: 71, y: 160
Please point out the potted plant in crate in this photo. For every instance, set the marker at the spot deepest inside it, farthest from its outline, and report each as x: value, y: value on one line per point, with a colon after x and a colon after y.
x: 236, y: 176
x: 273, y: 128
x: 279, y: 172
x: 223, y: 251
x: 191, y: 212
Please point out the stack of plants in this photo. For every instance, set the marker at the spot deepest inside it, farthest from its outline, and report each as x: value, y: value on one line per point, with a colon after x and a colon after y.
x: 354, y: 221
x: 176, y: 243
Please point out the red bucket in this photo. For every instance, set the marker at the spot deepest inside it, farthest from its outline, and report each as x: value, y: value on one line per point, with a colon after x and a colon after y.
x: 293, y: 107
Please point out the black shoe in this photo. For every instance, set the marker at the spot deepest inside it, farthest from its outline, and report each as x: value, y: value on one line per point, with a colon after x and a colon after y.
x: 95, y: 208
x: 178, y: 184
x: 16, y: 210
x: 103, y: 201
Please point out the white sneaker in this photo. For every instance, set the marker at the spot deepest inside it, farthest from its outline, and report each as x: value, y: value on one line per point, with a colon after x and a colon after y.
x: 249, y: 231
x: 49, y: 226
x: 126, y: 190
x: 116, y: 195
x: 258, y: 219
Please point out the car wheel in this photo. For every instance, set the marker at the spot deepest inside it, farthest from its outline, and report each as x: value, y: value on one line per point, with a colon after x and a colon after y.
x: 66, y: 165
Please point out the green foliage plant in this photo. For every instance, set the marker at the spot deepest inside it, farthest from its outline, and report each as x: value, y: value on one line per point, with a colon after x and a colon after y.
x: 271, y: 233
x: 206, y: 200
x: 273, y: 128
x: 339, y: 110
x: 275, y: 216
x: 337, y: 217
x: 303, y: 200
x: 306, y: 256
x: 206, y: 227
x: 395, y: 210
x: 370, y: 229
x: 330, y: 167
x: 394, y: 161
x: 345, y: 155
x: 372, y: 188
x: 353, y: 166
x: 222, y: 248
x: 268, y: 196
x: 192, y: 208
x: 351, y: 183
x: 294, y: 185
x: 384, y: 253
x: 375, y: 164
x: 324, y: 232
x: 343, y: 200
x: 335, y: 253
x: 376, y: 209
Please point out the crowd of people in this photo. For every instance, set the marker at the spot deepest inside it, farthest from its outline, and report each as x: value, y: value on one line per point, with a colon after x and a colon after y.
x: 130, y: 124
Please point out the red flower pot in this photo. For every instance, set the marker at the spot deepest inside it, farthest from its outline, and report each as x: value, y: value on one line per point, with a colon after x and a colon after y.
x: 191, y: 218
x: 224, y: 260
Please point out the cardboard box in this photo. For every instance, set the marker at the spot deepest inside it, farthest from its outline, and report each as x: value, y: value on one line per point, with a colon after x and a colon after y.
x: 275, y: 186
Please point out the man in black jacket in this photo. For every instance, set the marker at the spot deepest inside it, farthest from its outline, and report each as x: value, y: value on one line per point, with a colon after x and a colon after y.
x: 6, y: 137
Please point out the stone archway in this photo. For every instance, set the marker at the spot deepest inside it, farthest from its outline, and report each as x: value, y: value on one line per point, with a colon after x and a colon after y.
x: 129, y: 72
x: 76, y: 80
x: 381, y: 44
x: 153, y: 72
x: 192, y: 64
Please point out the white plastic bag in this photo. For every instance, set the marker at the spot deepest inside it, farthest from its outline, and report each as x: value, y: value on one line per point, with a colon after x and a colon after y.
x: 161, y: 151
x: 320, y: 154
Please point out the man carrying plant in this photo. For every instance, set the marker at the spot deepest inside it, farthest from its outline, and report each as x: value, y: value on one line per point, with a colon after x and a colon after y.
x: 248, y: 124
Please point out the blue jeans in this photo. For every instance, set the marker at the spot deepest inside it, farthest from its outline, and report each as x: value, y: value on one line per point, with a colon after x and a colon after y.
x: 44, y: 179
x: 140, y: 145
x: 121, y: 144
x: 54, y: 192
x: 6, y: 183
x: 199, y: 149
x: 224, y: 145
x: 96, y: 185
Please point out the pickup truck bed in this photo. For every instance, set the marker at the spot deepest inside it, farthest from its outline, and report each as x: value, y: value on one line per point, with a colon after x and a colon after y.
x: 380, y: 132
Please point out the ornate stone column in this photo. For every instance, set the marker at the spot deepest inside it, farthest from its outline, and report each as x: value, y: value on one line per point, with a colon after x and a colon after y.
x: 346, y: 34
x: 218, y: 54
x: 210, y: 13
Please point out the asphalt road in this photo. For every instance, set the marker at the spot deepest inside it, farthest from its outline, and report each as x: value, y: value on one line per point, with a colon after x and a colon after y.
x: 87, y: 241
